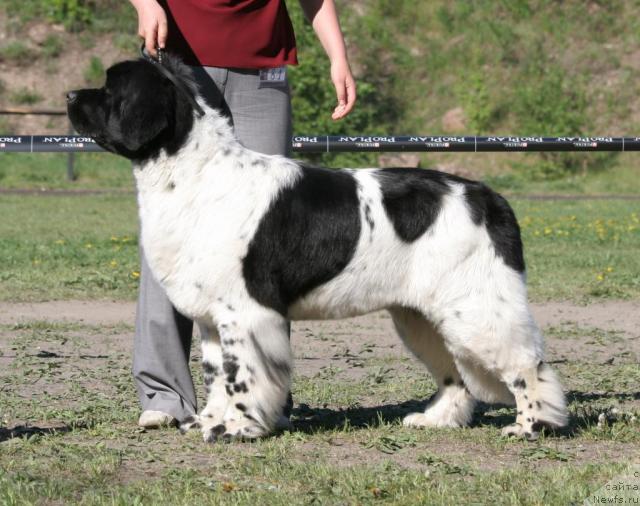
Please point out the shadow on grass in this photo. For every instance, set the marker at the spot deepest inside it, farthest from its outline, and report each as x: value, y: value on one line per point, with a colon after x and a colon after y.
x: 309, y: 420
x: 27, y: 431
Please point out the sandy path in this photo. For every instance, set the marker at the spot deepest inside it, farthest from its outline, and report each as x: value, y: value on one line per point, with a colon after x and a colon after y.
x: 609, y: 315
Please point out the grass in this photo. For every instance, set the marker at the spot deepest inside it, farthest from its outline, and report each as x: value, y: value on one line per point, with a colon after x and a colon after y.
x: 25, y: 96
x: 581, y: 249
x: 17, y: 53
x: 79, y: 247
x: 52, y: 46
x: 94, y: 73
x: 69, y: 399
x: 48, y: 171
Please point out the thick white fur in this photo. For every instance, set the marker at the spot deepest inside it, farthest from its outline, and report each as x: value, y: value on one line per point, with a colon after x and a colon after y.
x: 456, y: 304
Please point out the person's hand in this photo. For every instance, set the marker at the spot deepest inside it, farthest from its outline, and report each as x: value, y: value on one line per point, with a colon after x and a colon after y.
x: 345, y: 88
x: 152, y: 25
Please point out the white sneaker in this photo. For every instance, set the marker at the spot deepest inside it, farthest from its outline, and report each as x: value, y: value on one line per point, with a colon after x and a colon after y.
x: 155, y: 419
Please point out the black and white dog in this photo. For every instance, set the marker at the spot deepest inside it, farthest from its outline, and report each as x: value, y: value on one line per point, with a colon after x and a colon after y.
x: 243, y: 242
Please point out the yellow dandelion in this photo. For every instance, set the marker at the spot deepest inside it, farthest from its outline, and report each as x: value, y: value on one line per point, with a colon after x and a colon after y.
x: 609, y: 269
x: 135, y: 274
x: 88, y: 245
x: 114, y: 238
x: 113, y: 263
x: 600, y: 277
x: 59, y: 241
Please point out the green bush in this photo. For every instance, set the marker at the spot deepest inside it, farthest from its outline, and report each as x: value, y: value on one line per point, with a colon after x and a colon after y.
x: 479, y: 107
x: 74, y: 14
x: 549, y: 102
x: 25, y: 96
x: 16, y: 53
x: 94, y: 73
x: 314, y: 96
x: 52, y: 46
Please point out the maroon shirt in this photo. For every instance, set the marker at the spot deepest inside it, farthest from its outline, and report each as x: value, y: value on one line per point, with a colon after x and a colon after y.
x: 231, y: 33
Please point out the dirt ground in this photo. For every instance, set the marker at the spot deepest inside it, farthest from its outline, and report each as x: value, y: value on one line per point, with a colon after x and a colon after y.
x: 353, y: 349
x: 611, y: 315
x: 621, y: 318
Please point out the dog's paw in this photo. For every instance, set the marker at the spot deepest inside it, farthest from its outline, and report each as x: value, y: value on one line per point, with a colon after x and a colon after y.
x: 416, y: 420
x: 190, y: 423
x: 429, y: 419
x: 233, y: 430
x: 518, y: 430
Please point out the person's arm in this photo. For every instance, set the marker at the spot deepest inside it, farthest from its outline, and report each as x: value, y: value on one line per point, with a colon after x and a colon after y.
x: 324, y: 19
x: 152, y: 24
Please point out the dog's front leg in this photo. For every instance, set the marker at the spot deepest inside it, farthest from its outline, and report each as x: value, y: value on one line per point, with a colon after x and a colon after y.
x: 256, y: 364
x: 214, y: 382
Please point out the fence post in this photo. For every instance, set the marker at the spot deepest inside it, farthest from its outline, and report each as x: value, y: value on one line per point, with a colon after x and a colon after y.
x: 71, y: 175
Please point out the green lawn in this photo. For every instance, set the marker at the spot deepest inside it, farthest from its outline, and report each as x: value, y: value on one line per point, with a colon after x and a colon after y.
x: 49, y: 171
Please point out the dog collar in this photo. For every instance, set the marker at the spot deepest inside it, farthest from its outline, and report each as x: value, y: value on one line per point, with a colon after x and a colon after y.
x: 180, y: 86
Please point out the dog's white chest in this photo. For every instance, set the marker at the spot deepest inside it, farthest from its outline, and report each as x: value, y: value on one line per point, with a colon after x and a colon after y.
x: 197, y: 223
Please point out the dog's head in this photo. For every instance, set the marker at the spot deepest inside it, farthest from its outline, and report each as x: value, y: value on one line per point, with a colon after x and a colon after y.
x: 139, y: 111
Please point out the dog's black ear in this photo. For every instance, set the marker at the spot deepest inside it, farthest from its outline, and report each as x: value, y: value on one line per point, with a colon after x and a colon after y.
x: 143, y: 119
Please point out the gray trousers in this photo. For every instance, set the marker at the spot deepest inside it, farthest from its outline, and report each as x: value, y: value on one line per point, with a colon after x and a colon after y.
x: 261, y: 118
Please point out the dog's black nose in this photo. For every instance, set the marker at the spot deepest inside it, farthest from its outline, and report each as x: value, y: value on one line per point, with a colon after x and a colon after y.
x: 71, y: 97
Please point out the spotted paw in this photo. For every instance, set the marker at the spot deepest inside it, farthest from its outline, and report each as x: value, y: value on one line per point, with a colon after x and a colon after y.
x: 233, y: 430
x: 518, y: 430
x: 190, y: 423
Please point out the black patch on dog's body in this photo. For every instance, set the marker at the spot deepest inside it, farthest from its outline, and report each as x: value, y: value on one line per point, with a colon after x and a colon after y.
x: 412, y: 199
x: 494, y: 211
x: 307, y: 237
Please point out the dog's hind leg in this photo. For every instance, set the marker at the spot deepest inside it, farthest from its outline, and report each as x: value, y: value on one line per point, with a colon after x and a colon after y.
x: 256, y: 371
x: 500, y: 351
x: 540, y: 401
x: 452, y: 405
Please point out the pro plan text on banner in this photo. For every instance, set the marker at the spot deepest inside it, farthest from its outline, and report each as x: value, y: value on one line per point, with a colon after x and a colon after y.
x: 339, y: 143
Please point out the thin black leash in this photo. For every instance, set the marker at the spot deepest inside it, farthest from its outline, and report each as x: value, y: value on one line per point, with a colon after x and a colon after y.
x: 180, y: 86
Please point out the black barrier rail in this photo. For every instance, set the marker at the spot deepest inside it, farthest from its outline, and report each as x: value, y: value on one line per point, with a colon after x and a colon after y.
x: 337, y: 144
